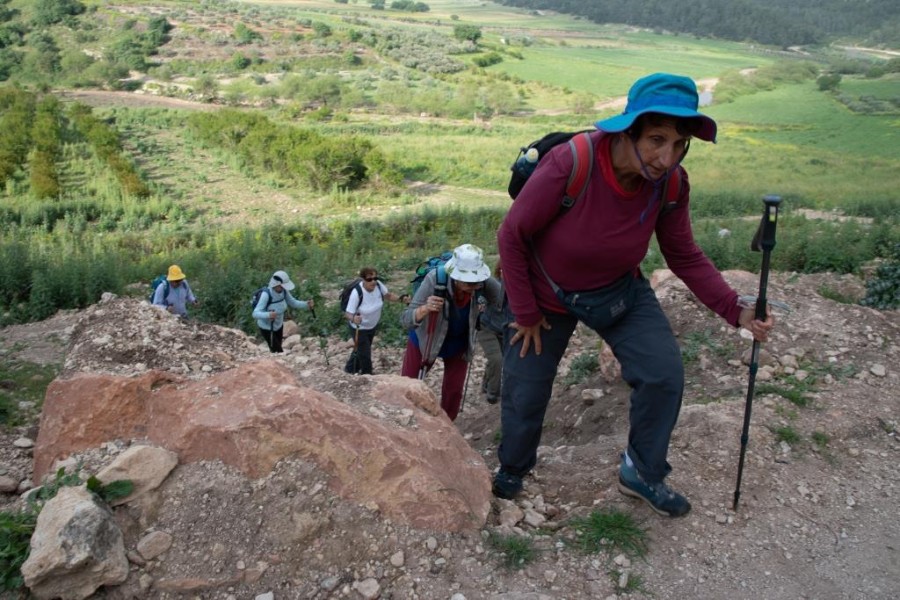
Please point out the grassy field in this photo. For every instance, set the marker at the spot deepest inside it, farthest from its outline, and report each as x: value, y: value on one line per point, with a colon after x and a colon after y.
x: 230, y: 221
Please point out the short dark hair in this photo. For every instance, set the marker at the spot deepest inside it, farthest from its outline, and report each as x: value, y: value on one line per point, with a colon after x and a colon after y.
x: 367, y: 272
x: 686, y: 126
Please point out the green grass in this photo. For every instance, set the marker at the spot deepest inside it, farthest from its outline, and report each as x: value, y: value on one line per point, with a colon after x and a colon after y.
x: 611, y: 532
x: 515, y: 551
x: 22, y: 382
x: 609, y: 66
x: 790, y: 389
x: 786, y: 434
x: 820, y: 439
x: 884, y: 88
x: 581, y: 368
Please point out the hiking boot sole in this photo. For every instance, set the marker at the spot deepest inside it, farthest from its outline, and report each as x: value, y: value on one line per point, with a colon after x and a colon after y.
x: 624, y: 489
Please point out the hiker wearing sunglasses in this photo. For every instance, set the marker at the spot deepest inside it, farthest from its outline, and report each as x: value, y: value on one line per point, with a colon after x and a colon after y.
x: 363, y: 313
x: 441, y: 320
x: 583, y: 263
x: 270, y: 308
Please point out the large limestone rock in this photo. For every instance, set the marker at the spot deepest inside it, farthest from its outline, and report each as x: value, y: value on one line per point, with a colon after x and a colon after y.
x: 76, y: 548
x: 391, y: 446
x: 144, y: 466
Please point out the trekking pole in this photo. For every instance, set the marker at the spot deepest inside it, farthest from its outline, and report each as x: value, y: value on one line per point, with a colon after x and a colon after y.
x: 356, y: 349
x: 764, y: 241
x: 465, y: 388
x: 425, y: 367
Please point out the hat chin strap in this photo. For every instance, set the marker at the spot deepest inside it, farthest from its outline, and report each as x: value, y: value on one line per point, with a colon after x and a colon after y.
x: 657, y: 182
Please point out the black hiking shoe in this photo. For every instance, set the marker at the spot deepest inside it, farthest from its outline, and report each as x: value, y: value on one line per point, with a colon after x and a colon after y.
x: 506, y: 485
x: 661, y: 498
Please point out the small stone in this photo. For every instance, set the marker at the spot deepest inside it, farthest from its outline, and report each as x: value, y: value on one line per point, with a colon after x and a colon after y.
x: 266, y: 596
x: 368, y: 588
x: 398, y: 559
x: 24, y: 442
x: 878, y: 370
x: 153, y: 544
x: 8, y: 485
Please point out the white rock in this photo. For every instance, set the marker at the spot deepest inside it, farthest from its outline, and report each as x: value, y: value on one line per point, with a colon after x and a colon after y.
x: 878, y: 370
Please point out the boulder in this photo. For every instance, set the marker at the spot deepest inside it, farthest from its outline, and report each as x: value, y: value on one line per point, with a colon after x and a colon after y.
x: 76, y: 548
x: 390, y: 446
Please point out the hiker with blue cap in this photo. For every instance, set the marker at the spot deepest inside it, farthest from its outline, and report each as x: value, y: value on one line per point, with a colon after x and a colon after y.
x: 580, y: 261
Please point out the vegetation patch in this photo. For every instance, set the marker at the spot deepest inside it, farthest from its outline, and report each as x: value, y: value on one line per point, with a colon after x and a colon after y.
x: 611, y: 532
x: 22, y: 389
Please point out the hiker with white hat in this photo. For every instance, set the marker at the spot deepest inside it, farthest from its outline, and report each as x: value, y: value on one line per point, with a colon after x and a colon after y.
x: 570, y: 262
x: 441, y: 320
x: 174, y: 294
x: 273, y: 302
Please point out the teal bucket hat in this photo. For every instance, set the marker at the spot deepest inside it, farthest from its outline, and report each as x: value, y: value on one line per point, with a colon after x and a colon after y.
x: 662, y: 93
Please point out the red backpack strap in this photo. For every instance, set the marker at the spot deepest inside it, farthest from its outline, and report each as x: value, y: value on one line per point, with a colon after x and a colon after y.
x: 582, y: 163
x: 674, y: 186
x: 672, y: 190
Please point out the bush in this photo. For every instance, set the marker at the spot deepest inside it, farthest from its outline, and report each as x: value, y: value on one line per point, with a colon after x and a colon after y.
x: 883, y: 291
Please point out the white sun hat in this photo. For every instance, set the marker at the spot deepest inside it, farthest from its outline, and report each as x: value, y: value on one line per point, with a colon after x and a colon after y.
x: 281, y: 278
x: 468, y: 265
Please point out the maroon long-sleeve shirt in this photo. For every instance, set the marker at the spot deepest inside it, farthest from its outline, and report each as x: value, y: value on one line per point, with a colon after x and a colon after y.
x: 600, y: 239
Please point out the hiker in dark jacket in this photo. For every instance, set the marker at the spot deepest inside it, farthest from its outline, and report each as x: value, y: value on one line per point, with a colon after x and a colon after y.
x: 441, y: 323
x: 175, y: 294
x: 595, y: 248
x: 491, y: 327
x: 363, y: 314
x: 271, y: 306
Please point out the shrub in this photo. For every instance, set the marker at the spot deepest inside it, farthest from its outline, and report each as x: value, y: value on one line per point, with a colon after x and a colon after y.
x: 883, y: 290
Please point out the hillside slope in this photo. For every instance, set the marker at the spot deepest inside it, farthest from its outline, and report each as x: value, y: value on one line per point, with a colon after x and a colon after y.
x: 817, y: 517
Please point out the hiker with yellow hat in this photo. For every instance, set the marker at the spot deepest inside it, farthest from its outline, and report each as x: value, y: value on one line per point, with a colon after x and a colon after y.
x: 579, y: 260
x: 175, y: 293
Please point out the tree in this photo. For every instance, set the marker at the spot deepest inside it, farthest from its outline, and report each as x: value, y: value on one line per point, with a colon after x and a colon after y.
x: 48, y: 12
x: 829, y: 83
x: 245, y: 35
x: 470, y: 33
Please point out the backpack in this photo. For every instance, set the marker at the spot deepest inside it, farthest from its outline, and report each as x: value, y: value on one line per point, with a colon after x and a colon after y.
x: 583, y: 152
x: 433, y: 263
x: 356, y: 284
x: 157, y: 281
x: 256, y: 295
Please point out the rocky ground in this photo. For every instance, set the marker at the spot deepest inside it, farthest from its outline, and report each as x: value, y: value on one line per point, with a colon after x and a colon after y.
x: 817, y: 517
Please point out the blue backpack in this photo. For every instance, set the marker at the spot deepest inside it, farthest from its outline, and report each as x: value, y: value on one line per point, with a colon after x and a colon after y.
x: 433, y: 263
x: 157, y: 281
x: 256, y: 295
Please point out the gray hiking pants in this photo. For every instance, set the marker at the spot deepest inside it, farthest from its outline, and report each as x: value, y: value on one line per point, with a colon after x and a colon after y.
x: 643, y: 342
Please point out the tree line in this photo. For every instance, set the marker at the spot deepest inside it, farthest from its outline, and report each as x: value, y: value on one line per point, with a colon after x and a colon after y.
x: 776, y: 22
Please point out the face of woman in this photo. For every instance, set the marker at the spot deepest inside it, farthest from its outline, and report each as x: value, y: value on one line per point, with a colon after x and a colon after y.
x: 370, y: 282
x: 466, y: 287
x: 660, y: 147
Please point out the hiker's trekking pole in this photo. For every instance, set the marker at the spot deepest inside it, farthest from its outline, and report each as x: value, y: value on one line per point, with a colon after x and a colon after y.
x: 425, y: 367
x: 356, y: 349
x: 763, y: 241
x: 465, y: 388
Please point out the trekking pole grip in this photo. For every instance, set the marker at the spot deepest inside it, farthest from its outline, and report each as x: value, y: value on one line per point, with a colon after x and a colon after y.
x: 764, y: 241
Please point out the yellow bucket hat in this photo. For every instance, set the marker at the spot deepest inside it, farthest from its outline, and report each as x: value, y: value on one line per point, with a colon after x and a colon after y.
x: 175, y: 273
